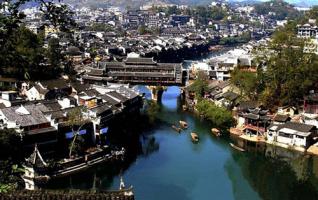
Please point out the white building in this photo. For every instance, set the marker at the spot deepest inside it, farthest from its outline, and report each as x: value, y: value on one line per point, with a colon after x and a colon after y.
x: 291, y: 134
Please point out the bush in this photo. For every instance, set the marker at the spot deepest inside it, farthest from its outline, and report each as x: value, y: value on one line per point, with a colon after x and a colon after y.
x: 219, y: 116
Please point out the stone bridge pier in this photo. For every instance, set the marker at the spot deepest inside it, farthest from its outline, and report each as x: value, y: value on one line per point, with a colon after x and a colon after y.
x: 156, y: 92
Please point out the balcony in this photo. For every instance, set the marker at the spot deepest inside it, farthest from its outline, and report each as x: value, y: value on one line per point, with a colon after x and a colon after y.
x: 255, y: 128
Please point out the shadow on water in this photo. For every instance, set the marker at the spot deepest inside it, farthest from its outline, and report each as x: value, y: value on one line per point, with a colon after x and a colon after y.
x: 274, y: 172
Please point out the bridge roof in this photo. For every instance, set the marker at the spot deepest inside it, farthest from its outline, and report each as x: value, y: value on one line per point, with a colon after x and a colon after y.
x: 142, y: 74
x: 147, y: 61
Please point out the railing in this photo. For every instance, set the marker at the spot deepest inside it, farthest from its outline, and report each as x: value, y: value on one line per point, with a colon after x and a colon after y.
x: 255, y: 128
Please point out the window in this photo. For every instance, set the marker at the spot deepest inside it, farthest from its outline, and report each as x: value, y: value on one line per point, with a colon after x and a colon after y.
x: 282, y: 134
x: 300, y: 137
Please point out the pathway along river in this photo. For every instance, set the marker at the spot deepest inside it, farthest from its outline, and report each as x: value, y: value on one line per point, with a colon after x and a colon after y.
x: 172, y: 167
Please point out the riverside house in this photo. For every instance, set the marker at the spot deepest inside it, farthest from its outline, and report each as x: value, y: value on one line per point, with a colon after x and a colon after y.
x: 252, y: 119
x: 33, y: 125
x: 292, y: 134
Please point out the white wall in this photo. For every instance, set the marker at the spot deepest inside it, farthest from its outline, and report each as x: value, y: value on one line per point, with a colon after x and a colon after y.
x: 300, y: 141
x: 271, y: 137
x: 32, y: 94
x: 292, y: 141
x: 284, y: 140
x: 65, y: 103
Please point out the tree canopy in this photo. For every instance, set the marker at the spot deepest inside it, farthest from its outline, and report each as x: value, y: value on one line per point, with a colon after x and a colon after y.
x: 287, y: 70
x: 21, y: 51
x: 200, y: 85
x: 219, y: 116
x: 279, y: 9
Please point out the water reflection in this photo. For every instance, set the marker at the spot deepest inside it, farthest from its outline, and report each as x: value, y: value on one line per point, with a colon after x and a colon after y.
x: 149, y: 145
x: 277, y: 173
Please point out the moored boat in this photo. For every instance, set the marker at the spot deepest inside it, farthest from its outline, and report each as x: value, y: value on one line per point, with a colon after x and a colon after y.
x: 215, y: 48
x: 183, y: 124
x: 216, y: 132
x: 194, y: 137
x: 236, y: 147
x: 178, y: 129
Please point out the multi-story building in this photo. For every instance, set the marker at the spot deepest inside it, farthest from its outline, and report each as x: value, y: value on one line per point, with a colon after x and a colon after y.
x: 307, y: 31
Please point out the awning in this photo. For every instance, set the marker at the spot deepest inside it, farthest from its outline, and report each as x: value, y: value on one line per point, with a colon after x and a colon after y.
x: 71, y: 134
x: 104, y: 130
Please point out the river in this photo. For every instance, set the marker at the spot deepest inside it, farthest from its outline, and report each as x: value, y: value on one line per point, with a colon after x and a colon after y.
x: 170, y: 166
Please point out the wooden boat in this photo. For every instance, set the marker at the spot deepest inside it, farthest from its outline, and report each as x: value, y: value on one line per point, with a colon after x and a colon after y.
x: 68, y: 166
x: 195, y: 137
x: 215, y: 48
x: 183, y: 124
x: 216, y: 132
x: 236, y: 147
x: 176, y: 128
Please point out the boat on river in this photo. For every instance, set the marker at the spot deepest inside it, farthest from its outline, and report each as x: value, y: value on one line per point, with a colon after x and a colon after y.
x: 215, y: 48
x: 194, y: 137
x: 216, y: 132
x: 183, y: 124
x: 236, y: 147
x: 178, y: 129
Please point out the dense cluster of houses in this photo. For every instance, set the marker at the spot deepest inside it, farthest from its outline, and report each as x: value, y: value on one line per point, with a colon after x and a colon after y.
x: 111, y: 33
x: 40, y: 111
x: 220, y: 67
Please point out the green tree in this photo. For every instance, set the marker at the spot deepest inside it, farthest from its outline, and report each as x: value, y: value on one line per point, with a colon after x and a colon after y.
x: 152, y: 110
x: 10, y: 155
x: 54, y: 54
x: 247, y: 82
x: 281, y: 9
x: 76, y: 120
x: 173, y: 10
x: 100, y: 27
x: 10, y: 176
x: 20, y: 49
x: 200, y: 85
x: 142, y: 30
x: 290, y: 71
x: 218, y: 13
x: 219, y: 116
x: 10, y: 144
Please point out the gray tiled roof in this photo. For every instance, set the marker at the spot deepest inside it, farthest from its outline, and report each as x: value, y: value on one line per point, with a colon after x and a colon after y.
x: 56, y: 83
x: 117, y: 96
x: 297, y: 127
x: 34, y: 118
x: 281, y: 118
x: 129, y: 93
x: 100, y: 109
x: 230, y: 95
x: 140, y: 61
x: 2, y: 105
x: 110, y: 100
